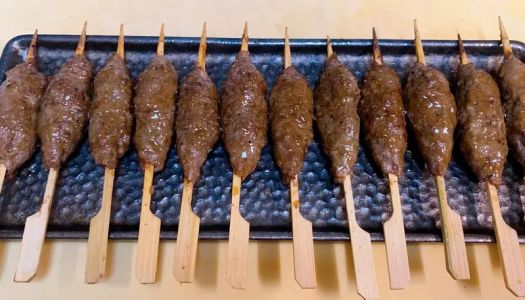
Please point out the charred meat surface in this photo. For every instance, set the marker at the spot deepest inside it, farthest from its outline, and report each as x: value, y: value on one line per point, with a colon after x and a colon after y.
x: 432, y: 114
x: 337, y: 97
x: 197, y: 124
x: 155, y: 112
x: 291, y: 114
x: 481, y: 125
x: 20, y: 96
x: 512, y: 82
x: 111, y: 120
x: 64, y: 111
x: 382, y: 112
x: 244, y: 115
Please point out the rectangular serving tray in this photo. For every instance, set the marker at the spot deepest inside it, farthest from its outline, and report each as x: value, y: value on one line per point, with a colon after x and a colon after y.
x: 264, y: 197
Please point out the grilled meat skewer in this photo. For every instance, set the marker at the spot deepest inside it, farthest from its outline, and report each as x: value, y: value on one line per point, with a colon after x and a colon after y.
x: 432, y: 114
x: 109, y: 137
x: 244, y: 121
x: 291, y: 117
x: 155, y: 113
x: 20, y: 96
x: 61, y: 121
x: 337, y: 98
x: 382, y: 112
x: 197, y: 127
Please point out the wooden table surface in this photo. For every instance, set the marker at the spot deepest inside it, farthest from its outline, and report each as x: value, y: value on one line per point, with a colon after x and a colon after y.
x: 270, y: 273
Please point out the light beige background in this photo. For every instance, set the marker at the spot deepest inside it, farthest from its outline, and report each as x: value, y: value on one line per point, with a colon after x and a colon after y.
x: 270, y: 263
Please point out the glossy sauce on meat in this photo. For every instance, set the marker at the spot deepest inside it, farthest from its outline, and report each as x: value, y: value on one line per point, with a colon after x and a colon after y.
x: 291, y: 114
x: 432, y: 113
x: 512, y: 82
x: 244, y: 115
x: 111, y: 120
x: 481, y: 125
x: 155, y: 112
x: 20, y: 96
x: 383, y: 115
x: 337, y: 97
x: 64, y: 111
x: 197, y: 124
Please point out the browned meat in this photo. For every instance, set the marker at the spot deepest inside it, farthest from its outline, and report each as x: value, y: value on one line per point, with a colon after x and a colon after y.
x: 481, y: 126
x: 111, y: 120
x: 20, y: 96
x: 512, y: 82
x: 337, y: 97
x: 244, y: 115
x: 197, y: 123
x: 432, y: 115
x: 155, y: 112
x: 64, y: 111
x: 381, y: 109
x: 291, y: 114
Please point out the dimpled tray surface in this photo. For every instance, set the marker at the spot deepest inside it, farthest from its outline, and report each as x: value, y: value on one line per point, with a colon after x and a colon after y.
x: 264, y: 197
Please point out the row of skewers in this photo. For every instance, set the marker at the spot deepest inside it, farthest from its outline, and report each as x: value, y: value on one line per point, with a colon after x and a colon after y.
x: 57, y: 114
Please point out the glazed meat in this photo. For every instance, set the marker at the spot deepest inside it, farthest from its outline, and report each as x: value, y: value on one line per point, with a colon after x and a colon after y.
x: 20, y: 96
x: 244, y: 115
x: 197, y: 124
x: 64, y: 111
x: 155, y: 112
x: 111, y: 120
x: 432, y: 115
x: 481, y: 125
x: 337, y: 97
x: 291, y: 114
x: 382, y: 112
x: 512, y: 82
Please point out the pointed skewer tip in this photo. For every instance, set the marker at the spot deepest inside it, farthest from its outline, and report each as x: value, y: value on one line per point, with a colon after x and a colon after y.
x: 244, y: 44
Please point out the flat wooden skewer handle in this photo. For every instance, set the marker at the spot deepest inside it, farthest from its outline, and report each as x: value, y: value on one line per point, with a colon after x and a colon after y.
x: 35, y: 233
x: 238, y: 240
x: 361, y: 249
x: 3, y: 171
x: 329, y: 49
x: 98, y: 233
x: 395, y: 241
x: 187, y: 238
x: 508, y: 247
x: 453, y: 238
x: 303, y: 246
x: 149, y: 233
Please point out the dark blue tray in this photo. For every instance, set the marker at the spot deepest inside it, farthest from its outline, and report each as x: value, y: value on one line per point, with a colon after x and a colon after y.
x: 264, y: 197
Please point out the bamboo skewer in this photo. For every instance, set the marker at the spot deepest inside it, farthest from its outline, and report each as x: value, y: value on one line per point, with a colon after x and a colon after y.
x: 238, y: 240
x: 506, y: 237
x: 507, y: 48
x: 451, y: 225
x: 239, y: 235
x: 31, y: 59
x: 99, y: 224
x: 393, y: 228
x: 361, y: 249
x: 36, y: 224
x: 303, y: 246
x: 360, y: 239
x: 508, y: 246
x: 34, y: 234
x: 189, y: 222
x: 149, y: 229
